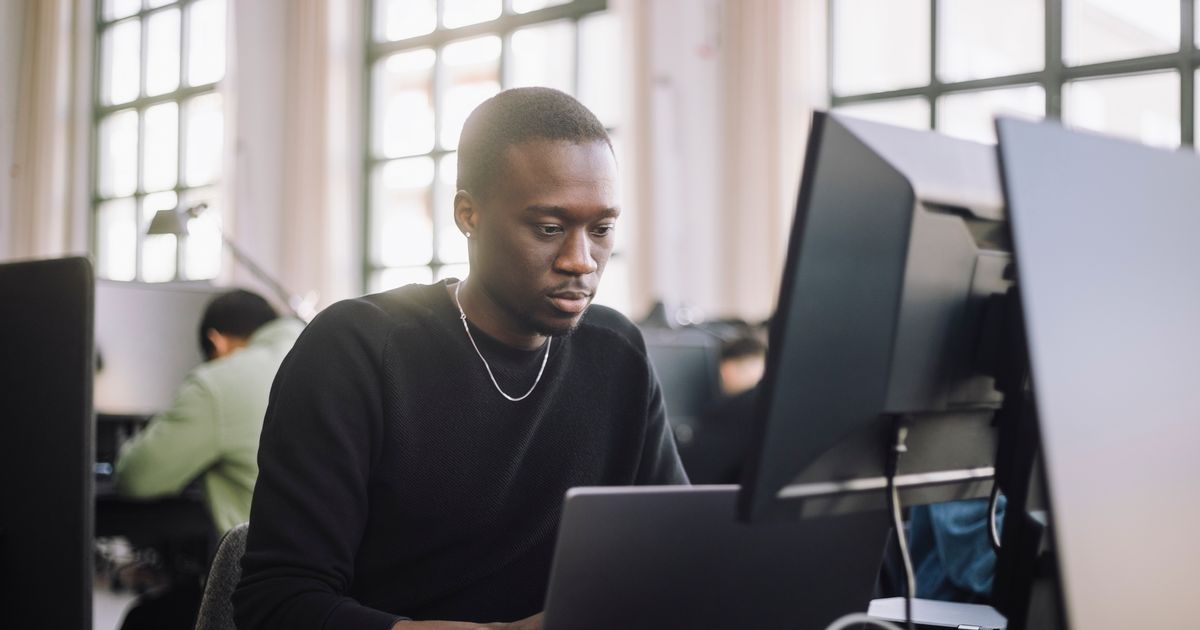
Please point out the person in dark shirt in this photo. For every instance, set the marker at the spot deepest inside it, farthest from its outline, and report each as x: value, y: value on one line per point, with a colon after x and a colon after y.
x: 418, y: 442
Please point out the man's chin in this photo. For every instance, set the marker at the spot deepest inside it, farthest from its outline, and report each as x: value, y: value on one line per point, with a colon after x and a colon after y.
x: 560, y: 327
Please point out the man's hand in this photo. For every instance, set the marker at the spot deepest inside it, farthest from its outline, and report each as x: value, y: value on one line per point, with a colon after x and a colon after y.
x: 529, y: 623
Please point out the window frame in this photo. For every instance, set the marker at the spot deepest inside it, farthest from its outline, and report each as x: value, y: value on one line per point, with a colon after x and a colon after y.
x: 1052, y: 77
x: 503, y: 26
x: 182, y: 94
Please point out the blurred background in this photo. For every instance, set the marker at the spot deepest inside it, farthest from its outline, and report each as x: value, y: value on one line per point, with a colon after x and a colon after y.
x: 321, y: 134
x: 315, y: 141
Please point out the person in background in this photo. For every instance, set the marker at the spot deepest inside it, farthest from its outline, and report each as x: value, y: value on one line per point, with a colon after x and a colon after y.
x: 210, y: 433
x: 718, y: 451
x: 211, y: 430
x: 951, y: 550
x: 743, y: 360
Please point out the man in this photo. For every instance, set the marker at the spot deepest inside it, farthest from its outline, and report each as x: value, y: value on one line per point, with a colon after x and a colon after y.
x: 211, y: 430
x: 419, y: 442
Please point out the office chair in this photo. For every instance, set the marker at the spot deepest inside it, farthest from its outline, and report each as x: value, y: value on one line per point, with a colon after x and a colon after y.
x: 216, y: 609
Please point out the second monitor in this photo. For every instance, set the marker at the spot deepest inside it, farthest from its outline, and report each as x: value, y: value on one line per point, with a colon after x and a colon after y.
x: 898, y: 246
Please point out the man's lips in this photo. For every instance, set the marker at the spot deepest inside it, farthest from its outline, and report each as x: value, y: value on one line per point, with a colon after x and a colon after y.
x: 572, y: 302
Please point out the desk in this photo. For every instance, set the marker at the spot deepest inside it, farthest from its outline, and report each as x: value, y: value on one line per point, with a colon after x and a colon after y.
x: 146, y: 523
x: 177, y: 528
x: 151, y: 523
x: 112, y: 431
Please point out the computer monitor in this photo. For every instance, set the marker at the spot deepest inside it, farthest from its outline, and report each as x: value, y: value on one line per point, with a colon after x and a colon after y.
x: 899, y: 242
x: 147, y: 340
x: 1104, y: 233
x: 686, y: 363
x: 46, y: 433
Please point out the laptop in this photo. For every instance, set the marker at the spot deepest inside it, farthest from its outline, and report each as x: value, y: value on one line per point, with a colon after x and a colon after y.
x: 659, y: 557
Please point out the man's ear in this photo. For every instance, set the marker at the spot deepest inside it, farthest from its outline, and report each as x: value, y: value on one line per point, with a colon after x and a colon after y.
x: 466, y: 213
x: 222, y: 344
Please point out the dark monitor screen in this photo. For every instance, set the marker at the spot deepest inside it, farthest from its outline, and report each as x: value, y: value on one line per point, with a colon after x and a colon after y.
x: 46, y: 443
x: 686, y: 363
x: 898, y: 242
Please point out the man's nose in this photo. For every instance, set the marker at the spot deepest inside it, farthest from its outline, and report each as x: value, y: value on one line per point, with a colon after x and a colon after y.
x: 575, y: 257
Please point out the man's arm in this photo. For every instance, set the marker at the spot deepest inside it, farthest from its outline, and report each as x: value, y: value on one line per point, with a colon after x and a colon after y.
x: 173, y: 449
x: 660, y: 463
x: 320, y: 438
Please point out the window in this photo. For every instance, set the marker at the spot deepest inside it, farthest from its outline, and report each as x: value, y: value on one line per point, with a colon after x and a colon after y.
x: 1123, y: 68
x: 431, y: 62
x: 159, y: 125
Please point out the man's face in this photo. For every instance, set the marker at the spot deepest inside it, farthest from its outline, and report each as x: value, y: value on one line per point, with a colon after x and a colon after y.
x: 545, y: 231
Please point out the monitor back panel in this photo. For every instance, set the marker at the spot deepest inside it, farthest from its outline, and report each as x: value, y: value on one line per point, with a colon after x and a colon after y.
x: 1105, y: 235
x: 46, y: 443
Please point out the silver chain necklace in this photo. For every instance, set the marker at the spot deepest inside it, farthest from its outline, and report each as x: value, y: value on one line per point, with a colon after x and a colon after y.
x: 463, y: 316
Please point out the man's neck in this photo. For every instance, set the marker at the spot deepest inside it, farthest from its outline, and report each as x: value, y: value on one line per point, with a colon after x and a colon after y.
x: 493, y: 319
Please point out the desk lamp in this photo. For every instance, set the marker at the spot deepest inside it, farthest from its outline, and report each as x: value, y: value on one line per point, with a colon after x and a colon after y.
x: 176, y: 220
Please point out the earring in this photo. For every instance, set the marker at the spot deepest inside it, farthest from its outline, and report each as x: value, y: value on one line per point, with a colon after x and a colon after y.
x: 467, y: 234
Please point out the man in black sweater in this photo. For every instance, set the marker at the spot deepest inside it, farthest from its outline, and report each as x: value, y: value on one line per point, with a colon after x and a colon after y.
x: 419, y: 442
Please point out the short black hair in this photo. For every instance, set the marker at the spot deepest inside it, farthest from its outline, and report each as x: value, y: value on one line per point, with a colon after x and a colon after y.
x: 515, y: 116
x: 237, y: 313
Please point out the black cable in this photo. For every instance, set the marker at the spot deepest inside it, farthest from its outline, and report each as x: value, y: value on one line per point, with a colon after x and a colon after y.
x: 898, y: 448
x: 993, y: 531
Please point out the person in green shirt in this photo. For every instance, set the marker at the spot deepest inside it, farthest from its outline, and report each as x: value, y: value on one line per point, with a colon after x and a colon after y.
x: 211, y: 430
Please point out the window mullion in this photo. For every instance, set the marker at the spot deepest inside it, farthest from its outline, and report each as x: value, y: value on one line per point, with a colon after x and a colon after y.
x: 181, y: 137
x: 1054, y: 59
x: 829, y: 47
x: 1187, y: 72
x: 935, y: 86
x: 437, y: 82
x: 140, y: 187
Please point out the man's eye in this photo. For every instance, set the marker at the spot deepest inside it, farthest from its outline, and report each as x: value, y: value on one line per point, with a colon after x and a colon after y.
x: 603, y: 230
x: 549, y: 229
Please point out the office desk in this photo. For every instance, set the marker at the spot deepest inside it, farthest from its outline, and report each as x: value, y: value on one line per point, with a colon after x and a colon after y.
x: 112, y: 430
x: 151, y: 523
x: 146, y: 523
x: 178, y: 529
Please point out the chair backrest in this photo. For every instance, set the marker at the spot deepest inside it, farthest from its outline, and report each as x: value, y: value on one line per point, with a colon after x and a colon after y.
x: 216, y: 609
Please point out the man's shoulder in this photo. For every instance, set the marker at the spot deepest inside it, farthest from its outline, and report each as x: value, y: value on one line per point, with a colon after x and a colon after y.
x: 609, y: 324
x: 401, y: 306
x: 370, y: 321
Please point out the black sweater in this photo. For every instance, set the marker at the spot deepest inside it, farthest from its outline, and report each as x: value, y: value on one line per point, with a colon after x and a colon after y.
x: 394, y: 480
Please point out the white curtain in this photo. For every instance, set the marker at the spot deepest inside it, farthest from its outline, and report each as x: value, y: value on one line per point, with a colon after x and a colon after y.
x: 322, y: 155
x: 774, y: 75
x: 722, y: 92
x: 294, y: 164
x: 42, y: 214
